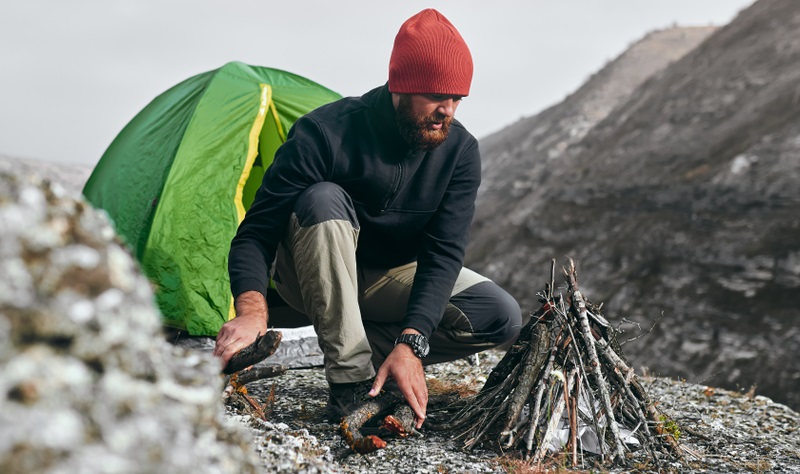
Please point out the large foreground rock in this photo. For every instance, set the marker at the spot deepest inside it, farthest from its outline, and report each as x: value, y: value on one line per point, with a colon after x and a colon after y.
x: 87, y: 381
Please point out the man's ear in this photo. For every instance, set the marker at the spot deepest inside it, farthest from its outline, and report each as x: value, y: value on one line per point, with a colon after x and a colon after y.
x: 395, y: 100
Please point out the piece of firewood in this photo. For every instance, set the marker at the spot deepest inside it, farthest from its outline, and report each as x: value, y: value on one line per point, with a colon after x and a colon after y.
x: 579, y: 306
x: 531, y: 367
x: 260, y: 373
x: 351, y: 424
x: 401, y: 422
x: 263, y: 347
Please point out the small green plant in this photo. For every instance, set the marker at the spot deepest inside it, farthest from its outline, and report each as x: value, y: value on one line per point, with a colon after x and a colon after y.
x: 671, y: 427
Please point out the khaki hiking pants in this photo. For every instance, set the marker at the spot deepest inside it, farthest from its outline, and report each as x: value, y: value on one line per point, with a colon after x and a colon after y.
x: 357, y: 312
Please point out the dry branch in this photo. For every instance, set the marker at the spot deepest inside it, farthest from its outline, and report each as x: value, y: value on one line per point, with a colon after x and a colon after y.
x: 399, y: 422
x: 236, y: 392
x: 260, y: 373
x: 240, y: 371
x: 352, y: 423
x: 263, y: 347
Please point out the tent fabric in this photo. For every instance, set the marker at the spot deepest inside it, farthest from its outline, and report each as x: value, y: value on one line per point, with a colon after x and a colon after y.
x: 179, y: 177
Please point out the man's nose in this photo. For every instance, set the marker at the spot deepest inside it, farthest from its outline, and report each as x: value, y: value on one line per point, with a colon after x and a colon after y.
x: 447, y: 107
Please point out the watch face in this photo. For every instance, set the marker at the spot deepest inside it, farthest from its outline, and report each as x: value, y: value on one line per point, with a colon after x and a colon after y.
x: 424, y: 347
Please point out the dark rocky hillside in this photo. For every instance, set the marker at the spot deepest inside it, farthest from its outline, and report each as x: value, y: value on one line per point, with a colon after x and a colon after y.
x: 682, y: 203
x: 514, y: 158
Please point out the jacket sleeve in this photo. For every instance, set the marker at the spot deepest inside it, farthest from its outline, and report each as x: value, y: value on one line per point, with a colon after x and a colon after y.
x: 304, y: 159
x: 444, y: 244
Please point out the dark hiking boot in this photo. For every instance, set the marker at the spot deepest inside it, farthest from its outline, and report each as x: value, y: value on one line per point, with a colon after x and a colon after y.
x: 346, y: 397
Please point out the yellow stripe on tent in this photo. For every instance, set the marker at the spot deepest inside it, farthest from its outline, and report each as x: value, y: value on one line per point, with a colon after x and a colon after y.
x: 252, y: 147
x: 278, y: 125
x: 252, y: 153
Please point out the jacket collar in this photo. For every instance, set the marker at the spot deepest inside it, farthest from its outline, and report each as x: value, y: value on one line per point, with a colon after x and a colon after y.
x: 385, y: 117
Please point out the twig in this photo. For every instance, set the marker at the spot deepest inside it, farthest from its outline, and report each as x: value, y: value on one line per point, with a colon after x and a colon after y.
x: 646, y: 333
x: 260, y: 373
x: 573, y: 418
x: 535, y: 413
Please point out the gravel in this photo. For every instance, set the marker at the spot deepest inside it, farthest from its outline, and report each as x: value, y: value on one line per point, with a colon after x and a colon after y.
x: 722, y: 431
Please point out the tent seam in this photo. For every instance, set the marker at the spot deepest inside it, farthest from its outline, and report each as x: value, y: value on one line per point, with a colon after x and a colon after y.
x: 252, y: 152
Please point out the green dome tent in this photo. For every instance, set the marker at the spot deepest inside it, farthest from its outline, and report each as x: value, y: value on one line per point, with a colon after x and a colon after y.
x: 178, y: 178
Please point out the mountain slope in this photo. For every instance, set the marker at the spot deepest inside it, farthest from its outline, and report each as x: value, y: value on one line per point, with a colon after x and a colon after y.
x: 514, y: 157
x: 683, y: 201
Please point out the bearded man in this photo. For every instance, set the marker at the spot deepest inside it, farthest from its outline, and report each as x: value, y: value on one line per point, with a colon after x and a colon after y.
x: 362, y: 220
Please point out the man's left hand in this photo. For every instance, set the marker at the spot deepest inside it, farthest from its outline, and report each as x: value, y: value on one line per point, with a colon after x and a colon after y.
x: 241, y: 331
x: 406, y: 369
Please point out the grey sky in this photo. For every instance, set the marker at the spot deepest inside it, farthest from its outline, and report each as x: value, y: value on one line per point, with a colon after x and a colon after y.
x: 73, y: 73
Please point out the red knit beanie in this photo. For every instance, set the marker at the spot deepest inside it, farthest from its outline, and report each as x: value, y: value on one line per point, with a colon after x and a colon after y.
x: 429, y: 57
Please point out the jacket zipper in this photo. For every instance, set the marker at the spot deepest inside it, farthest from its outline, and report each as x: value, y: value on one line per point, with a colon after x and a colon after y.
x: 395, y: 187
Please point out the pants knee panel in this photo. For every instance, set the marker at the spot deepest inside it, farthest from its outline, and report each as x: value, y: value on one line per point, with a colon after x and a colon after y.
x: 322, y: 202
x: 510, y: 314
x: 494, y: 314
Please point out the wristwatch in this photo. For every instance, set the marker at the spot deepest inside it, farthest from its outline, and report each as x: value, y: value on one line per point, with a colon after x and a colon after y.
x: 418, y: 343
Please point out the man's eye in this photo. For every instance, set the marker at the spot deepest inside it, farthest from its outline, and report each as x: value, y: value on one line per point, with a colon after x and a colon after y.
x: 440, y: 97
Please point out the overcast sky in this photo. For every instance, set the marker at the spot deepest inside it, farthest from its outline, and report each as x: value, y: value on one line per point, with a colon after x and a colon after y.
x: 73, y: 73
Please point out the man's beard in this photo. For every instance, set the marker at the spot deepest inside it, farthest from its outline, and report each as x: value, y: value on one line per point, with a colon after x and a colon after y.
x: 414, y: 128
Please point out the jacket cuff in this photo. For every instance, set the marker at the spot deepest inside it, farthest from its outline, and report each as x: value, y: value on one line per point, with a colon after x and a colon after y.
x: 421, y: 323
x: 248, y: 284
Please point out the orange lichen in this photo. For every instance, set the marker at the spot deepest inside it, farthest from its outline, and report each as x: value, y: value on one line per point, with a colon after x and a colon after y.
x: 358, y: 443
x: 394, y: 425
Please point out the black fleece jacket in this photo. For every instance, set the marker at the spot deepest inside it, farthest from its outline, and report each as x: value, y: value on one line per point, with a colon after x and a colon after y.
x: 410, y: 205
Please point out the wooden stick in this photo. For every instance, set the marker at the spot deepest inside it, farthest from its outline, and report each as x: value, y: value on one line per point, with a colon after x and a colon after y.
x: 535, y: 412
x: 401, y: 422
x: 263, y: 347
x: 544, y: 444
x: 260, y: 373
x: 568, y: 322
x: 579, y: 305
x: 573, y: 417
x: 352, y: 423
x: 503, y: 368
x: 531, y: 368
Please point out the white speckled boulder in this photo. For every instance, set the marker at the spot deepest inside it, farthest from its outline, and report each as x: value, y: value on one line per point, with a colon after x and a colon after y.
x: 87, y: 381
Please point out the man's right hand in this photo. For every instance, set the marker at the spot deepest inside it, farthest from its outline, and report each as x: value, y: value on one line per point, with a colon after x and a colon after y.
x: 406, y: 369
x: 241, y: 331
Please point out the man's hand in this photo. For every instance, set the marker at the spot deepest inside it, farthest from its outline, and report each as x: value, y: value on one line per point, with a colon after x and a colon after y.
x: 407, y: 371
x: 241, y: 331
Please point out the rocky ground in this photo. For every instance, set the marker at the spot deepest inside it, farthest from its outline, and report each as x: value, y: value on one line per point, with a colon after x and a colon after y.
x: 722, y: 431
